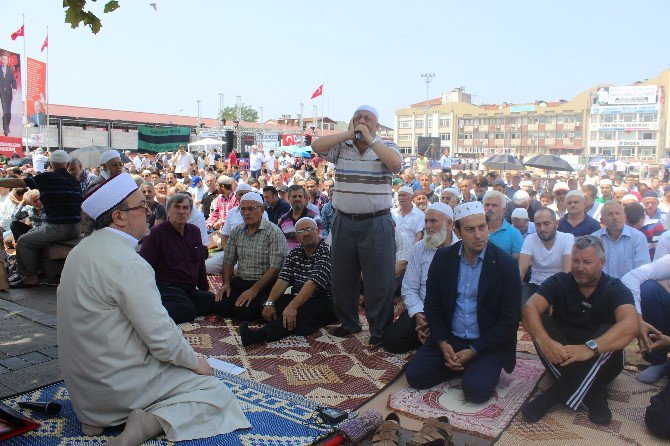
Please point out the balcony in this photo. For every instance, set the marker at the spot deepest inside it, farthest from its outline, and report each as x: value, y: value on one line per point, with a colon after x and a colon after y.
x: 569, y: 126
x: 532, y: 127
x: 515, y: 142
x: 468, y: 128
x: 484, y: 128
x: 467, y: 142
x: 549, y: 141
x: 550, y: 126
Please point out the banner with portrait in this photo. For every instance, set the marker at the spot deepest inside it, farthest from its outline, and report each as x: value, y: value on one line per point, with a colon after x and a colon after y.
x: 36, y: 93
x: 12, y: 102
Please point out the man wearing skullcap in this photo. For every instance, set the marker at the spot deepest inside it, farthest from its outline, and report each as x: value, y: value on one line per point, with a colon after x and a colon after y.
x: 407, y: 216
x: 111, y: 166
x: 258, y: 247
x: 576, y: 221
x: 522, y: 199
x: 472, y: 306
x: 61, y: 198
x: 362, y: 233
x: 606, y: 190
x: 560, y: 191
x: 123, y: 358
x: 450, y: 196
x: 522, y: 223
x: 410, y: 330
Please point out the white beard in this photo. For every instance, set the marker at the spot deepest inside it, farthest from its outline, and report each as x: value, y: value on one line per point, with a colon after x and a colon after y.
x: 435, y: 240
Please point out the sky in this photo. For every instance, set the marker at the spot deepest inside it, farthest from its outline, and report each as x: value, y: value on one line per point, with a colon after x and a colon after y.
x: 275, y: 53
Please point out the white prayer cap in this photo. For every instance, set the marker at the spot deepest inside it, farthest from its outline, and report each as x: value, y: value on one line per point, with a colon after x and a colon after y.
x: 561, y: 186
x: 109, y: 194
x: 252, y: 196
x: 520, y: 213
x: 406, y: 190
x: 369, y: 108
x: 310, y: 219
x: 520, y: 196
x: 59, y: 156
x: 452, y: 190
x: 467, y: 209
x: 39, y: 150
x: 443, y: 208
x: 243, y: 187
x: 109, y: 155
x: 526, y: 183
x: 629, y: 198
x: 575, y: 193
x: 606, y: 181
x: 620, y: 188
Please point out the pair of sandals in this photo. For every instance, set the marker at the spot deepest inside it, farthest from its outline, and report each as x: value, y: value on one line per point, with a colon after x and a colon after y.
x: 434, y: 432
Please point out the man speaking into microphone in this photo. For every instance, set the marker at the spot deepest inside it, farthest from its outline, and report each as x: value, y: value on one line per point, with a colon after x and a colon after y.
x: 362, y: 232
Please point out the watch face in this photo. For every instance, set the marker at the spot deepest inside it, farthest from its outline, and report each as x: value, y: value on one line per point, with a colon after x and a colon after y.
x: 592, y: 345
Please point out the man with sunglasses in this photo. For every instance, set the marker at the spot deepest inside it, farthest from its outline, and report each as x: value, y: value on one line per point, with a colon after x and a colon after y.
x: 581, y: 340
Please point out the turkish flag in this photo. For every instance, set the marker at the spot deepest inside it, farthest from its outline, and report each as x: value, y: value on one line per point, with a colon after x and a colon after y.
x: 288, y: 140
x: 318, y: 92
x: 45, y: 44
x: 17, y: 33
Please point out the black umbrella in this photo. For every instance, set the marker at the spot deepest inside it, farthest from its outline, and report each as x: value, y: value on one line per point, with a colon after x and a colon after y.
x: 504, y: 162
x: 549, y: 162
x: 18, y: 162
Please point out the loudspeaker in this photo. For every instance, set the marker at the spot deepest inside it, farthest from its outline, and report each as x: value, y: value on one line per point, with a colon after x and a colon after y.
x: 230, y: 141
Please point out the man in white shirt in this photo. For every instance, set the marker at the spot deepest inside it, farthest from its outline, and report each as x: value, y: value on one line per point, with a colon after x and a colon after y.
x: 410, y: 330
x: 284, y: 161
x: 547, y: 252
x: 39, y: 161
x: 522, y: 223
x: 183, y: 162
x: 408, y: 218
x: 256, y: 160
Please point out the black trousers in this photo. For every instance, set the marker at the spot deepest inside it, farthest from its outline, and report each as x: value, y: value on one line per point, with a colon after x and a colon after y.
x: 312, y: 315
x: 19, y: 228
x: 584, y: 379
x: 401, y: 336
x: 479, y: 378
x: 226, y: 306
x: 183, y: 305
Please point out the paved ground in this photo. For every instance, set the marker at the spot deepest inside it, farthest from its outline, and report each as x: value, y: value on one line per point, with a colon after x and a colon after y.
x: 28, y: 352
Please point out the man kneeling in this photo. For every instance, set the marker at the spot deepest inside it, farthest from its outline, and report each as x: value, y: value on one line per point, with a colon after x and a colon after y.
x: 581, y: 340
x: 123, y: 358
x: 307, y: 271
x: 473, y: 301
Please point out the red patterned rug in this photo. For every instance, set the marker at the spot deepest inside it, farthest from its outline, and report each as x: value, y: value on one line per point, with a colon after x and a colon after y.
x: 340, y: 372
x: 524, y: 343
x: 486, y: 420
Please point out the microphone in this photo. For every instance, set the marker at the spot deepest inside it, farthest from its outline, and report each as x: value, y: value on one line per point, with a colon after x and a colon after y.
x: 358, y: 135
x: 356, y: 429
x: 48, y: 407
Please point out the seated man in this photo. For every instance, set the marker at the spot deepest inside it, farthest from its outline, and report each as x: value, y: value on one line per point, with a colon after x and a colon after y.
x: 139, y: 369
x: 298, y: 199
x: 30, y: 214
x: 576, y: 221
x: 309, y: 306
x: 175, y: 251
x: 258, y: 247
x: 473, y: 297
x: 581, y: 341
x: 410, y: 330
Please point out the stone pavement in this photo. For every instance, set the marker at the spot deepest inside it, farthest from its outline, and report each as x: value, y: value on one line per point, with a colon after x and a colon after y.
x: 28, y: 351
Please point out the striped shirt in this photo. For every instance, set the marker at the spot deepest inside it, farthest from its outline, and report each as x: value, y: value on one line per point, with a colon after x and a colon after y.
x: 255, y: 253
x: 287, y: 225
x: 60, y: 194
x: 362, y: 182
x: 299, y: 268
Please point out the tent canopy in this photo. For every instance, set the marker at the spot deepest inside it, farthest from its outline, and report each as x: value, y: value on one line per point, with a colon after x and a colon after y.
x: 205, y: 142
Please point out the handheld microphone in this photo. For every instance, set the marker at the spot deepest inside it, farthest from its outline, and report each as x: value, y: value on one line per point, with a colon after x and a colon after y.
x: 48, y: 407
x: 358, y: 135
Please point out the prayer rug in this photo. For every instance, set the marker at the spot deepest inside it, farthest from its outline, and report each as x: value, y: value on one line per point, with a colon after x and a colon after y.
x: 339, y: 372
x: 524, y: 343
x: 628, y: 400
x: 486, y: 420
x: 278, y: 418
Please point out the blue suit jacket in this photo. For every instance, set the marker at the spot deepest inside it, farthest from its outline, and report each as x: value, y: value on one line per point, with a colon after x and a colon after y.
x: 498, y: 300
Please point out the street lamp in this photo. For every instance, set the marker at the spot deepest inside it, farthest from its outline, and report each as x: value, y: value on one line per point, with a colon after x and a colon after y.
x: 238, y: 118
x: 428, y: 77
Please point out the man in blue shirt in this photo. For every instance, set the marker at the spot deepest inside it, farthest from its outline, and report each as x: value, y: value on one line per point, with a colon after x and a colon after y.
x: 576, y: 221
x: 504, y: 235
x: 472, y: 306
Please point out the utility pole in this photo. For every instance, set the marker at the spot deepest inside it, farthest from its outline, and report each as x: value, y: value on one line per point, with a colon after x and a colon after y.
x: 428, y: 77
x: 238, y: 117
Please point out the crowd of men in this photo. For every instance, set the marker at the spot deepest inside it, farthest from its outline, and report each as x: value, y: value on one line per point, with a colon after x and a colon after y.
x: 580, y: 259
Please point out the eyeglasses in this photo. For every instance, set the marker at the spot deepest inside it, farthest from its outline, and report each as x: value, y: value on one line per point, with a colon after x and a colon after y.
x: 304, y: 231
x: 248, y: 208
x: 144, y: 205
x: 590, y: 239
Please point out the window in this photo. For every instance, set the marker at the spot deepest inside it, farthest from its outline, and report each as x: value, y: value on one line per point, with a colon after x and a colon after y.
x: 430, y: 123
x: 647, y: 135
x: 445, y: 122
x: 404, y: 137
x: 648, y: 151
x: 628, y: 151
x: 418, y: 123
x: 608, y: 136
x: 627, y: 135
x: 445, y: 136
x: 606, y: 118
x: 560, y: 119
x: 607, y: 151
x: 628, y: 117
x: 405, y: 124
x: 648, y: 117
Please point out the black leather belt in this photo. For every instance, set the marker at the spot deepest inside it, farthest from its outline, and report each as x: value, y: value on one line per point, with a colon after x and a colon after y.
x: 359, y: 217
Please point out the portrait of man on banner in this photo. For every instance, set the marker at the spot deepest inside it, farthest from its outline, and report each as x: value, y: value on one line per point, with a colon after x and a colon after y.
x: 10, y: 93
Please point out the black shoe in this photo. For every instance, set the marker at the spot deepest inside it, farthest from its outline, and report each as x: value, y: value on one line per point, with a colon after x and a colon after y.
x: 49, y: 282
x: 599, y: 411
x: 375, y: 340
x: 340, y: 332
x: 534, y: 411
x: 251, y: 336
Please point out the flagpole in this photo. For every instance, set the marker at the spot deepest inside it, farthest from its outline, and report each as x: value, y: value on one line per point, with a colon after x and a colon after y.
x: 322, y: 108
x: 47, y: 90
x: 24, y: 69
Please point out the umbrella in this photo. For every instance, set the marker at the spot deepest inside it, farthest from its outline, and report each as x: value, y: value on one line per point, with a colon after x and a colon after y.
x: 304, y: 152
x: 18, y: 162
x: 504, y: 162
x: 549, y: 162
x: 90, y: 156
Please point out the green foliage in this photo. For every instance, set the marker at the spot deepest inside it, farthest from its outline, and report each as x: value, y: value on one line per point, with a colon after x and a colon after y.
x: 248, y: 113
x: 75, y: 14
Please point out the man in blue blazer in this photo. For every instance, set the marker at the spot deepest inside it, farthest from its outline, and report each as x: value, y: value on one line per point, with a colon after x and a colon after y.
x: 473, y: 301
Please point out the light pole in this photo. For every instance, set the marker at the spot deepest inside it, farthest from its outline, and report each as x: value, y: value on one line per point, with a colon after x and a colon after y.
x: 220, y: 111
x: 428, y: 77
x: 238, y: 117
x: 199, y: 115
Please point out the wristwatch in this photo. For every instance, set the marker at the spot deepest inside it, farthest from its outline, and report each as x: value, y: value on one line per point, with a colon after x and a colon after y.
x: 593, y: 346
x: 269, y: 304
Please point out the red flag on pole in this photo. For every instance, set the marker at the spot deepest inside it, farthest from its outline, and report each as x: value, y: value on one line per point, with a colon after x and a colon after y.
x: 318, y: 92
x: 17, y: 33
x: 45, y: 44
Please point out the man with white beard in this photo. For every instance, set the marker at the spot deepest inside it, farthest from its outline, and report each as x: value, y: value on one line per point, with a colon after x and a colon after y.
x: 410, y: 330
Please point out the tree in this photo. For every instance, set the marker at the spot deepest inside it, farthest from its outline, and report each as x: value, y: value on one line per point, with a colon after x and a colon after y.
x: 247, y: 112
x: 75, y: 14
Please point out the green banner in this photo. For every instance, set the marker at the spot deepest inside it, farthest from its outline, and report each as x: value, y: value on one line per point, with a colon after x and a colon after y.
x: 162, y: 139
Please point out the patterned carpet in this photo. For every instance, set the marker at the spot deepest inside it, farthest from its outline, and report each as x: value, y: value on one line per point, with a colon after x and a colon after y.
x: 486, y: 420
x: 278, y: 419
x: 524, y: 343
x: 628, y: 399
x: 340, y: 372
